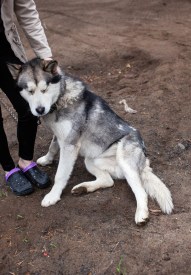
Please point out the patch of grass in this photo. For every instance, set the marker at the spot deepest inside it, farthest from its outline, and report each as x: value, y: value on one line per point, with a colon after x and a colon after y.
x: 53, y: 245
x: 119, y: 269
x: 3, y: 194
x: 19, y: 229
x: 25, y: 240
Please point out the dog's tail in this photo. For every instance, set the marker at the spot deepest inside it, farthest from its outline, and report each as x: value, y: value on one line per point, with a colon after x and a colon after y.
x: 156, y: 189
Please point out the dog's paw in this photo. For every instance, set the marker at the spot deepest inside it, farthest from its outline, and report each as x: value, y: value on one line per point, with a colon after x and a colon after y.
x: 43, y: 161
x: 78, y: 190
x: 141, y: 217
x: 50, y: 199
x: 84, y: 187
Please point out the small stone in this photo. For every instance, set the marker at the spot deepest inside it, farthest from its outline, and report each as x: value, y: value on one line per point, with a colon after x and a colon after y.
x: 166, y: 257
x: 181, y: 146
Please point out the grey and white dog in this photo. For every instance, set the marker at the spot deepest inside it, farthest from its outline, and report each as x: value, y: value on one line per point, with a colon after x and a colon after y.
x: 83, y: 123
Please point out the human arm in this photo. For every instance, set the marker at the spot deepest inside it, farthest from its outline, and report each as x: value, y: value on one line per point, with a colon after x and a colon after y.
x: 29, y: 20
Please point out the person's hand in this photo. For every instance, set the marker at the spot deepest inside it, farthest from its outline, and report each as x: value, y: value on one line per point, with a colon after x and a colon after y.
x: 48, y: 59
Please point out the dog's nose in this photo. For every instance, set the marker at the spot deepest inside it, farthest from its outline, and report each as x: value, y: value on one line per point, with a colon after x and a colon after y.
x: 40, y: 110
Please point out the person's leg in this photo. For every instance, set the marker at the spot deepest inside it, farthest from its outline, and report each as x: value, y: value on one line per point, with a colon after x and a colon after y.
x: 16, y: 180
x: 27, y: 123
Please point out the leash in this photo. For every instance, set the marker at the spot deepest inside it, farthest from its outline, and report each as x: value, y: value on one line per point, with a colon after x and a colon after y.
x: 9, y: 109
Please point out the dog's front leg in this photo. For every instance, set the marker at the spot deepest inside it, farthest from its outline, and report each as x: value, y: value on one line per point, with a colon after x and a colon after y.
x: 68, y: 155
x: 49, y: 157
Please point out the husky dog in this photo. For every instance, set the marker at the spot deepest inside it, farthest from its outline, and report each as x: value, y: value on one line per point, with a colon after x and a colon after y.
x: 83, y: 123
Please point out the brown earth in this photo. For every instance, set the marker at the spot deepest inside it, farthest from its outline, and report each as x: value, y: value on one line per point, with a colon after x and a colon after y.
x: 134, y: 50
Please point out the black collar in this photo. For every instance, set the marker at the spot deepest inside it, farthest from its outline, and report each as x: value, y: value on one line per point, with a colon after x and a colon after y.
x: 53, y: 108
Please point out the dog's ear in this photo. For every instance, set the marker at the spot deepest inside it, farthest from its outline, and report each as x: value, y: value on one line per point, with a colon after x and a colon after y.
x: 14, y: 69
x: 50, y: 66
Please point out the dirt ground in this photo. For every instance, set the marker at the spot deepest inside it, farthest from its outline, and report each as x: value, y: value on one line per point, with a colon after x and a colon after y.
x: 134, y: 50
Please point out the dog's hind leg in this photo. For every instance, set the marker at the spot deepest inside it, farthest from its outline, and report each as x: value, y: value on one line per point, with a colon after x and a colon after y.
x: 49, y: 157
x: 129, y: 158
x: 103, y: 178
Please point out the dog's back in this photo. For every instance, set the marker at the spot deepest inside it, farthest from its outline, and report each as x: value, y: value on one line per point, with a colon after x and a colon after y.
x: 102, y: 126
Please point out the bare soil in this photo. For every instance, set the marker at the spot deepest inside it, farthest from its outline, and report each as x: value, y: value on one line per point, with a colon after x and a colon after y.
x: 134, y: 50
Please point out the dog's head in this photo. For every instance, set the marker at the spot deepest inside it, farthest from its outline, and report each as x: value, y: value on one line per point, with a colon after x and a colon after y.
x: 40, y: 84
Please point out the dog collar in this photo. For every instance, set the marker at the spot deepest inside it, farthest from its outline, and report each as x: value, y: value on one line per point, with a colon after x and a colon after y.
x: 53, y: 108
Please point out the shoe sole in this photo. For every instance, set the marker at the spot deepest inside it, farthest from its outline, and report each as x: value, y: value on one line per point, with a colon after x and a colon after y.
x: 24, y: 193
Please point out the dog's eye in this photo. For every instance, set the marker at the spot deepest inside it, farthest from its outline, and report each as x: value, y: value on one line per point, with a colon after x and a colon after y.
x: 44, y: 90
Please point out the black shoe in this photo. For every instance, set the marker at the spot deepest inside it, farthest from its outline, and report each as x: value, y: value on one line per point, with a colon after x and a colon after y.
x: 36, y: 176
x: 18, y: 183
